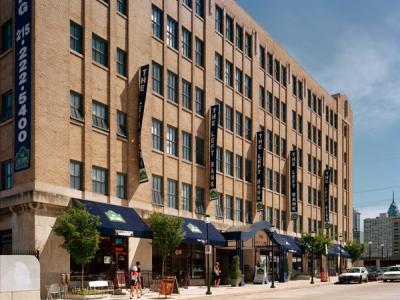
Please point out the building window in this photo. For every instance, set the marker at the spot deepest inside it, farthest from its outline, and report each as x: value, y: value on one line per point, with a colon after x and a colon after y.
x: 300, y: 190
x: 270, y: 180
x: 186, y: 94
x: 172, y: 193
x: 228, y: 73
x: 229, y: 28
x: 239, y: 209
x: 99, y: 50
x: 172, y: 140
x: 186, y: 146
x: 6, y: 244
x: 277, y: 67
x: 199, y: 8
x: 172, y: 33
x: 239, y: 123
x: 219, y: 161
x: 218, y: 66
x: 219, y: 19
x: 229, y: 118
x: 199, y: 200
x: 172, y: 87
x: 199, y: 101
x: 262, y: 57
x: 283, y: 220
x: 200, y: 151
x: 239, y: 80
x: 247, y: 128
x: 220, y: 112
x: 121, y: 185
x: 294, y: 120
x: 277, y: 144
x: 157, y: 78
x: 218, y: 207
x: 300, y: 157
x: 122, y: 7
x: 188, y: 3
x: 269, y: 215
x: 186, y: 197
x: 186, y: 43
x: 121, y: 124
x: 100, y: 115
x: 248, y: 87
x: 270, y: 61
x: 157, y: 22
x: 121, y: 62
x: 229, y: 207
x: 229, y: 163
x: 248, y: 212
x: 270, y: 103
x: 283, y: 112
x: 157, y: 190
x: 248, y: 45
x: 99, y: 180
x: 269, y: 140
x: 75, y: 37
x: 7, y: 174
x: 6, y: 106
x: 277, y: 111
x: 248, y: 174
x: 199, y: 52
x: 277, y: 218
x: 283, y: 148
x: 283, y: 185
x: 239, y: 167
x: 239, y: 37
x: 157, y: 134
x: 277, y: 182
x: 284, y: 75
x: 261, y: 96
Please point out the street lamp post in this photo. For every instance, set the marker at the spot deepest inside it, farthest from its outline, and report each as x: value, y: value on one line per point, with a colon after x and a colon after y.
x: 369, y: 249
x: 340, y: 256
x: 382, y: 245
x: 207, y: 220
x: 312, y: 257
x: 272, y: 230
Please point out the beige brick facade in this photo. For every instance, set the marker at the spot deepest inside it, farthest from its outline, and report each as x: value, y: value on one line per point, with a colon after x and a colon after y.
x: 57, y: 138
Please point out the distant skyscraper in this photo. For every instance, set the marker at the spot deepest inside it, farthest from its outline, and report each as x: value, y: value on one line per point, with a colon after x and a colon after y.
x: 393, y: 210
x: 356, y: 225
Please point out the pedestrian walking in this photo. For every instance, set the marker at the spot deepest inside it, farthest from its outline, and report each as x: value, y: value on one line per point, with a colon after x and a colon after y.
x: 134, y: 275
x: 140, y: 278
x: 217, y: 274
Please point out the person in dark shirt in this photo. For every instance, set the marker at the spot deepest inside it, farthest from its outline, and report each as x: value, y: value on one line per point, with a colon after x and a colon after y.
x: 140, y: 278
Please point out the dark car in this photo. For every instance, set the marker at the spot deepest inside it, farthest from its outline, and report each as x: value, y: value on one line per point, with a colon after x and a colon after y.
x: 375, y: 274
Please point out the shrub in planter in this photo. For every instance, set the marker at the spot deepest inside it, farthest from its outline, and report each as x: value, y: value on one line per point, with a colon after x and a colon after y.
x: 234, y: 273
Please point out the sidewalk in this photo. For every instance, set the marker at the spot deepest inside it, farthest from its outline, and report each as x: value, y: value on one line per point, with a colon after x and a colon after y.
x: 200, y: 291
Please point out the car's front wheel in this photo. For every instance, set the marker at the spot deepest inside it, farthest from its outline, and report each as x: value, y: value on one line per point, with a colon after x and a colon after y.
x: 366, y: 279
x: 360, y: 280
x: 384, y: 280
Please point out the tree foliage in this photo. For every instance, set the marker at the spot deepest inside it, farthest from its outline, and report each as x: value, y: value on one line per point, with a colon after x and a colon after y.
x: 318, y: 242
x: 355, y: 249
x: 79, y: 231
x: 167, y: 233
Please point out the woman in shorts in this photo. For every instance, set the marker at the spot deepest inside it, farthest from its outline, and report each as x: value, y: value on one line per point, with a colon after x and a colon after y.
x: 134, y: 276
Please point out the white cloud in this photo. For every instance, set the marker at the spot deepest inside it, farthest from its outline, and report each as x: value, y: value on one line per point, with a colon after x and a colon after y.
x: 365, y: 67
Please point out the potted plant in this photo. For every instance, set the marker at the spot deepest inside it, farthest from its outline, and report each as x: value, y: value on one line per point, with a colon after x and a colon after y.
x: 234, y: 273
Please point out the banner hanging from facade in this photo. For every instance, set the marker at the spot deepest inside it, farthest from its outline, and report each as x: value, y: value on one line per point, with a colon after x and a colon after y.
x: 260, y: 167
x: 293, y: 185
x: 144, y: 77
x: 327, y: 175
x: 22, y: 84
x: 213, y: 151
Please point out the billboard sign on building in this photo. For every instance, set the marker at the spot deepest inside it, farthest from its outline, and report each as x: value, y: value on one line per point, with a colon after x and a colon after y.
x: 22, y: 84
x: 144, y: 77
x: 293, y: 185
x: 213, y: 151
x: 327, y: 175
x: 260, y: 166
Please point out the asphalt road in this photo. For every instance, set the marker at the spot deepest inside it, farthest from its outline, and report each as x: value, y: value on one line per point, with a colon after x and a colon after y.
x: 365, y: 291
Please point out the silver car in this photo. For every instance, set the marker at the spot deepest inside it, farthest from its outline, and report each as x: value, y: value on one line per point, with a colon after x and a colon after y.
x: 392, y: 274
x: 354, y: 274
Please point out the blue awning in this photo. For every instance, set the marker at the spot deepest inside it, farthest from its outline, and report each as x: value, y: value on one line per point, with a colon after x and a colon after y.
x: 286, y: 242
x: 195, y: 232
x: 117, y: 220
x: 336, y: 249
x: 246, y: 232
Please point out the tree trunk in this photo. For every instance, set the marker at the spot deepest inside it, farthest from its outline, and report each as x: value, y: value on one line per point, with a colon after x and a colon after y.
x: 83, y: 272
x: 162, y: 266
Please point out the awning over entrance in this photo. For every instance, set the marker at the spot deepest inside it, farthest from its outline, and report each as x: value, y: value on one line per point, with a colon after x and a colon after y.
x: 195, y: 232
x: 286, y: 242
x: 337, y: 249
x: 246, y: 232
x: 117, y: 220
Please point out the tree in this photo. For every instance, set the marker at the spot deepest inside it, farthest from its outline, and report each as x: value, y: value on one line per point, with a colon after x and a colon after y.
x: 319, y: 242
x: 355, y: 250
x: 79, y: 230
x: 167, y: 234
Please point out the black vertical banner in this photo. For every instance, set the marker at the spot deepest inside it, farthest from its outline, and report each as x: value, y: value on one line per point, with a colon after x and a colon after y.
x: 213, y: 151
x: 22, y: 84
x: 144, y: 77
x: 327, y: 175
x: 260, y: 166
x: 293, y: 185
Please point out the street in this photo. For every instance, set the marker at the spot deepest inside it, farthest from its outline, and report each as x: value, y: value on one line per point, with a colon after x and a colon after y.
x: 372, y: 291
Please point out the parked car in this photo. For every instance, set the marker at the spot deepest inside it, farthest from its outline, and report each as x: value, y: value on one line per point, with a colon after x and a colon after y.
x: 354, y: 274
x: 375, y: 274
x: 392, y: 274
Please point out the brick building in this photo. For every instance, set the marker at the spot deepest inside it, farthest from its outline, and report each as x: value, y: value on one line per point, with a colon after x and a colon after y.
x: 78, y: 138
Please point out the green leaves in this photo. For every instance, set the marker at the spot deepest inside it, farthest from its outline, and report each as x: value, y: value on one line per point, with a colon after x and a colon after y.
x: 355, y: 250
x: 79, y: 230
x: 319, y: 241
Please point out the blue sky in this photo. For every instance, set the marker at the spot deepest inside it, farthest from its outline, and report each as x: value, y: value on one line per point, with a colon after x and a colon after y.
x: 352, y: 47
